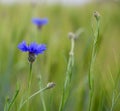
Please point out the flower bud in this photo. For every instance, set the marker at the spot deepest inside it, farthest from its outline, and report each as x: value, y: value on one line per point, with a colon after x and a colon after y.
x: 71, y: 35
x: 31, y: 57
x: 50, y: 85
x: 96, y: 15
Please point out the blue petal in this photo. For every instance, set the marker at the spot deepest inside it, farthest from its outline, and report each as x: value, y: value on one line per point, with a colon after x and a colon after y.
x: 23, y: 46
x: 41, y: 48
x: 33, y: 47
x: 39, y: 21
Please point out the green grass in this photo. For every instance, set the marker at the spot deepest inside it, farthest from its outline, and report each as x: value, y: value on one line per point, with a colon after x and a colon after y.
x: 15, y: 26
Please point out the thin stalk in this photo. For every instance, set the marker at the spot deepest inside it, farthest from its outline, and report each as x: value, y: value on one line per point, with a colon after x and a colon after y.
x: 30, y: 76
x: 42, y: 96
x: 67, y: 84
x: 6, y: 104
x: 114, y: 98
x: 91, y: 68
x: 13, y: 100
x: 9, y: 103
x: 29, y: 84
x: 113, y: 101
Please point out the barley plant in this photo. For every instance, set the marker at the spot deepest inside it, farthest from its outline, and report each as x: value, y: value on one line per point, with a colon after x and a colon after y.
x: 60, y: 57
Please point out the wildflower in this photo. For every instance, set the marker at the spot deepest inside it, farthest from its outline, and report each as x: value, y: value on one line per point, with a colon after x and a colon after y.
x: 39, y: 22
x: 34, y: 49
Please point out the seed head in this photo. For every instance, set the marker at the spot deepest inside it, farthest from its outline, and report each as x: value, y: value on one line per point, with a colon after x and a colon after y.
x: 50, y: 85
x: 71, y: 35
x: 96, y: 15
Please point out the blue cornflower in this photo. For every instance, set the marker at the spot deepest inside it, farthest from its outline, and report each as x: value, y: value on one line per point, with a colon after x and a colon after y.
x: 39, y: 22
x: 33, y: 49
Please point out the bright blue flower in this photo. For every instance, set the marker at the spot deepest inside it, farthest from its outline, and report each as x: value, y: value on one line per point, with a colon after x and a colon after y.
x: 40, y: 21
x: 33, y: 48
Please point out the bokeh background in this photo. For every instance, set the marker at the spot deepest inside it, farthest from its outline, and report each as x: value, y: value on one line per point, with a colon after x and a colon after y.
x: 64, y: 17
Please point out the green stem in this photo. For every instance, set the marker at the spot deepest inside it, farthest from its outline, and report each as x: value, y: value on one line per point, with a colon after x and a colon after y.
x: 13, y: 100
x: 42, y: 96
x: 90, y: 75
x: 43, y: 102
x: 29, y: 84
x: 114, y: 100
x: 30, y: 76
x: 67, y: 84
x: 36, y: 93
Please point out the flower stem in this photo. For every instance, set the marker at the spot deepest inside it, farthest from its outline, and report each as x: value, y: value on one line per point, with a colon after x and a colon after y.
x: 67, y: 84
x: 9, y: 103
x: 42, y: 95
x: 91, y: 68
x: 13, y: 100
x: 30, y: 76
x: 29, y: 85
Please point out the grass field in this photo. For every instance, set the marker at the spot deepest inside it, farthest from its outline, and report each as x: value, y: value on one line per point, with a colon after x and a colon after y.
x: 16, y: 26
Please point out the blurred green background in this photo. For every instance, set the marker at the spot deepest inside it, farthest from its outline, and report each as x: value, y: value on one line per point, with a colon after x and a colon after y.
x: 15, y: 26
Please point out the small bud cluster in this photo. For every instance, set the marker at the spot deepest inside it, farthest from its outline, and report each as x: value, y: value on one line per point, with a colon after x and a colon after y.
x: 71, y: 35
x: 50, y: 85
x: 96, y: 15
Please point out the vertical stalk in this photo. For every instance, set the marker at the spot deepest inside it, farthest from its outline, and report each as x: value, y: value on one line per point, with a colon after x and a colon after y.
x: 42, y: 96
x: 29, y: 85
x: 13, y: 100
x: 30, y: 76
x: 9, y: 103
x: 91, y: 68
x: 67, y: 83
